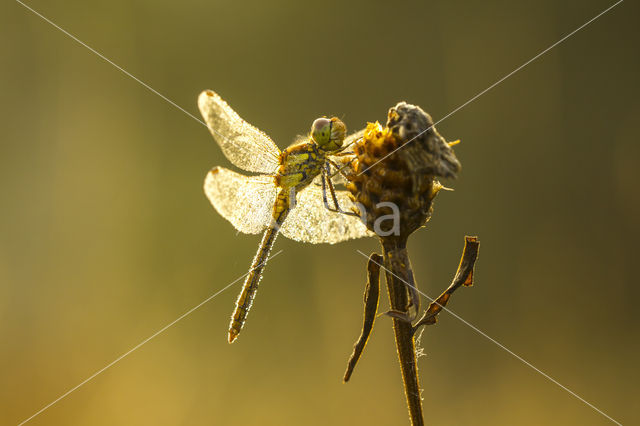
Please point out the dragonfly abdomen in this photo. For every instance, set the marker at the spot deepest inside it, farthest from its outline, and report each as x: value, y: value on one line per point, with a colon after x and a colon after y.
x: 245, y: 299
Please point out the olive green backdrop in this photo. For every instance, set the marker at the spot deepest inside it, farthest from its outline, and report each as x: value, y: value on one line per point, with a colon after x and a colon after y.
x: 106, y: 236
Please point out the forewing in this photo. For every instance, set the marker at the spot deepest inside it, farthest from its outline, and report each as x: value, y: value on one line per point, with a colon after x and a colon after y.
x: 311, y: 222
x: 245, y: 201
x: 244, y: 145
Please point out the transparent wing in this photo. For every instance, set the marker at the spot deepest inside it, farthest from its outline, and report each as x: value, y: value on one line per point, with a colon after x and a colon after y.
x: 244, y: 145
x: 311, y: 222
x: 245, y: 201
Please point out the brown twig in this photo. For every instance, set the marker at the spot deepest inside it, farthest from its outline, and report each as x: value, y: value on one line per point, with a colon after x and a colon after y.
x: 371, y: 297
x: 463, y: 277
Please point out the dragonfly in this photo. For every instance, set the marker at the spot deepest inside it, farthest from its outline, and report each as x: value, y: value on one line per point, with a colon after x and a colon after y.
x: 287, y: 196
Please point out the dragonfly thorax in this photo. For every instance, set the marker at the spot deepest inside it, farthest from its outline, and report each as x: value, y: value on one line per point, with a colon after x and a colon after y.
x: 300, y: 164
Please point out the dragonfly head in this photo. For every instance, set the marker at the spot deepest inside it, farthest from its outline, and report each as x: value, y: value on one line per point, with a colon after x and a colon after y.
x: 328, y: 133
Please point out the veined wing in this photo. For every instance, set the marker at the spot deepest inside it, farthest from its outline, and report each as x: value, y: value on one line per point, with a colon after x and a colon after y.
x: 244, y: 145
x: 311, y: 222
x: 245, y: 201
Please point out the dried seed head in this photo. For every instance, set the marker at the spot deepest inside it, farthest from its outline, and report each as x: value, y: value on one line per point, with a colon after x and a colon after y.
x: 397, y: 169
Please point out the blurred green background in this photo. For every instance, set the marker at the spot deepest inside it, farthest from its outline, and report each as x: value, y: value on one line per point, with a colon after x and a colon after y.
x: 106, y: 236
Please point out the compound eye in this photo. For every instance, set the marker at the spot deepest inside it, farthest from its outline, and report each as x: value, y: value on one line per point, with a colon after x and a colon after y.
x: 321, y: 131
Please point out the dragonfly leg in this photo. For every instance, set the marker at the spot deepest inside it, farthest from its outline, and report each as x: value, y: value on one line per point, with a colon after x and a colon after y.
x: 371, y: 296
x: 343, y: 151
x: 324, y: 193
x: 339, y: 169
x: 326, y: 181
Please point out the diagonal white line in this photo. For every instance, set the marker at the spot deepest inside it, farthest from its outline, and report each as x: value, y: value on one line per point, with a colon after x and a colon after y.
x: 500, y: 345
x: 499, y: 81
x: 145, y: 85
x: 114, y: 64
x: 139, y: 345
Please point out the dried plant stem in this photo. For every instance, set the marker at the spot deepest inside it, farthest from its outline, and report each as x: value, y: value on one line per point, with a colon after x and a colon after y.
x: 463, y: 278
x: 398, y: 272
x: 371, y: 297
